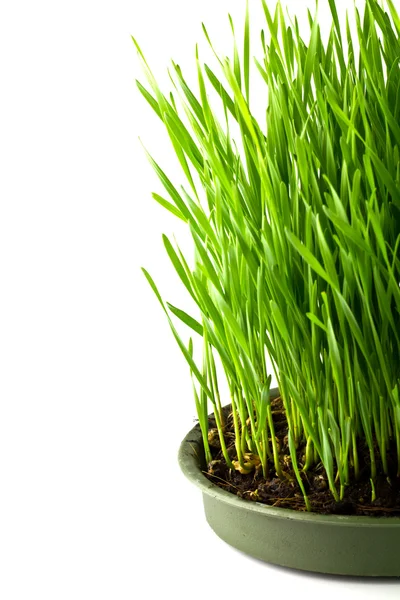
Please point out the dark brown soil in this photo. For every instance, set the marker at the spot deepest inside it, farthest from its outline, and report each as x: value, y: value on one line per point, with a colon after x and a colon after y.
x: 285, y: 492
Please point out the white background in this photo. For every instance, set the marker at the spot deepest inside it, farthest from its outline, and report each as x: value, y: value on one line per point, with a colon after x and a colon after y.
x: 95, y: 396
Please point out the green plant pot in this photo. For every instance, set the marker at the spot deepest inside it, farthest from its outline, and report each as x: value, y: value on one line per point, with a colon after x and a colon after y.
x: 341, y: 545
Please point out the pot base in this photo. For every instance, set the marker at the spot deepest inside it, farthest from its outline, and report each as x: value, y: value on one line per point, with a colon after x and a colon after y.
x: 335, y: 548
x: 331, y: 544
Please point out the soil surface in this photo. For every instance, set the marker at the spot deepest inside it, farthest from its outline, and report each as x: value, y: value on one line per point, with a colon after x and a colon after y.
x: 285, y: 492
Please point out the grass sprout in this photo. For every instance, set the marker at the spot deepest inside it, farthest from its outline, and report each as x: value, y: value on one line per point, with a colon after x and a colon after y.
x: 296, y: 231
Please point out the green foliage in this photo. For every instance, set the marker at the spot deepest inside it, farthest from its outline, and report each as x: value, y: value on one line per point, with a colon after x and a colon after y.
x: 296, y: 230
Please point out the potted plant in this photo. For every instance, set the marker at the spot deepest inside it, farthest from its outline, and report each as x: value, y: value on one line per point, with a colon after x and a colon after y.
x: 295, y: 221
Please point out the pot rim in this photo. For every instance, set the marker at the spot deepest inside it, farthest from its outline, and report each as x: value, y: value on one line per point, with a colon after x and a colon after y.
x: 189, y: 458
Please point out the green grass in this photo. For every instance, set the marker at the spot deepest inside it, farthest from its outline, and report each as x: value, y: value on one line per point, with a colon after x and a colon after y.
x: 295, y: 229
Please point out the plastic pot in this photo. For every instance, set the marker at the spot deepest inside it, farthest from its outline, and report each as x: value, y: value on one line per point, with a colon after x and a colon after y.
x: 334, y: 544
